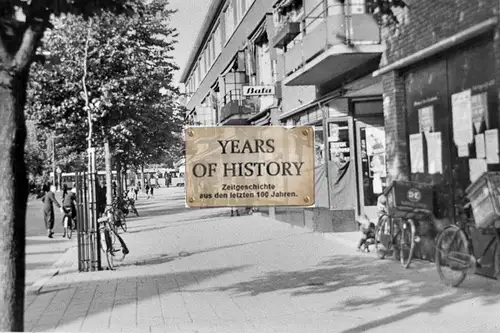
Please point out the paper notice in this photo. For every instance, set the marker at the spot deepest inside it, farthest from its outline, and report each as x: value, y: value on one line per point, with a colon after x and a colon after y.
x: 463, y: 150
x: 416, y: 153
x: 477, y: 166
x: 434, y: 153
x: 426, y: 119
x: 462, y: 118
x: 491, y: 140
x: 479, y: 104
x: 480, y: 146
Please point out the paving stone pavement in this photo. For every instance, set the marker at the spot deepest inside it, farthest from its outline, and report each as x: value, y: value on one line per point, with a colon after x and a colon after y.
x: 203, y: 271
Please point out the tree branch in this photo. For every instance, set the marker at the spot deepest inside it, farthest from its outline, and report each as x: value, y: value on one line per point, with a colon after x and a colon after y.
x: 32, y: 35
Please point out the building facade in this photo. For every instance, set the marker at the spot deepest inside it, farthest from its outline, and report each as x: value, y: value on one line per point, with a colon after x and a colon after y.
x: 439, y: 73
x: 328, y: 49
x: 315, y: 58
x: 230, y: 77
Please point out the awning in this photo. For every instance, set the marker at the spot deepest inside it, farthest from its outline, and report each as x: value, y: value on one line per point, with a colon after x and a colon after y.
x: 317, y: 102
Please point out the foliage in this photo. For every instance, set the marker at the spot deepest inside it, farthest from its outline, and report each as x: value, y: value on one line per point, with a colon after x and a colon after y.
x: 383, y: 11
x: 129, y: 83
x: 36, y: 154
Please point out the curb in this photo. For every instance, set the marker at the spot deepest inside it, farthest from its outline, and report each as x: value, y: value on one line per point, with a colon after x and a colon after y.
x: 54, y: 269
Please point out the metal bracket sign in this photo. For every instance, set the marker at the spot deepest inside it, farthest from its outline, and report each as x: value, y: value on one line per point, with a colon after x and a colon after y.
x: 244, y: 166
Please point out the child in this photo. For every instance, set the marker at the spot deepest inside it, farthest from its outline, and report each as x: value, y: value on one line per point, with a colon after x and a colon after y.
x: 367, y: 229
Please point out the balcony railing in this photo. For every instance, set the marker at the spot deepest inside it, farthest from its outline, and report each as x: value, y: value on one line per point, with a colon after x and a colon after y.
x: 338, y: 24
x: 235, y: 105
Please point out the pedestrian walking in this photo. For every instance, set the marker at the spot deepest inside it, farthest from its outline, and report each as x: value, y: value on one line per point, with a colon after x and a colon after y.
x: 136, y: 191
x: 147, y: 190
x: 151, y: 191
x: 64, y: 192
x: 49, y: 200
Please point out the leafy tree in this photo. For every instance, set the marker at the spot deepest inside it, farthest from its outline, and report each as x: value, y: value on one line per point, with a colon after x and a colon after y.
x: 129, y: 82
x: 22, y: 25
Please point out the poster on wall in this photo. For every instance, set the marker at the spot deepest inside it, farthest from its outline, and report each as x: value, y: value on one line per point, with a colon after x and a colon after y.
x: 479, y: 105
x: 426, y: 119
x: 375, y: 140
x: 462, y: 121
x: 434, y: 153
x: 477, y: 166
x: 480, y: 146
x: 416, y: 153
x: 491, y: 143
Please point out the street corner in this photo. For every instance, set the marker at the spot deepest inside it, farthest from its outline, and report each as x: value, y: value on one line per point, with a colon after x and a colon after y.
x: 67, y: 261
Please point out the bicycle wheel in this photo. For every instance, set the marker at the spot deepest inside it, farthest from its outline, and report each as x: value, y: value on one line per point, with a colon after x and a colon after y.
x: 407, y: 245
x: 109, y: 250
x: 124, y: 225
x: 383, y: 236
x: 452, y: 256
x: 69, y: 231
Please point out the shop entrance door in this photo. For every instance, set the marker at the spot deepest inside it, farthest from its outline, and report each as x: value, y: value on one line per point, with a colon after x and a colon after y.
x: 371, y: 170
x: 341, y: 162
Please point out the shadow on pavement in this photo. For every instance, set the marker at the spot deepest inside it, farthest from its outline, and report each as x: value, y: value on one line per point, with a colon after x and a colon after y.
x: 391, y: 285
x: 131, y: 290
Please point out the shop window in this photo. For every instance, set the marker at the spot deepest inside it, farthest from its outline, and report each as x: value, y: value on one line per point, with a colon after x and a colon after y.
x: 319, y: 145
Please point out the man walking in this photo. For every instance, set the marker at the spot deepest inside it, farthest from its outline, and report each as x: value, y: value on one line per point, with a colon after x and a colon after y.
x: 48, y: 210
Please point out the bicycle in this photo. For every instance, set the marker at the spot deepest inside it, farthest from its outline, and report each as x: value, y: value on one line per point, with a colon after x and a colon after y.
x: 130, y: 205
x: 459, y: 257
x: 108, y: 240
x: 69, y: 224
x: 120, y: 212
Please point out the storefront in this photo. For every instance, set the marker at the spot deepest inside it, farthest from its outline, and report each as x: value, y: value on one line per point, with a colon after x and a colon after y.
x: 350, y: 155
x: 452, y: 129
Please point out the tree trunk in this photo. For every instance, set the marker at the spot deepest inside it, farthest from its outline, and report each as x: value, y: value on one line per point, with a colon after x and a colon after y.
x: 119, y: 182
x: 13, y: 197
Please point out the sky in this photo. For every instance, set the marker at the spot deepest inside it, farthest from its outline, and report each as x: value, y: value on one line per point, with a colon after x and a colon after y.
x: 188, y: 21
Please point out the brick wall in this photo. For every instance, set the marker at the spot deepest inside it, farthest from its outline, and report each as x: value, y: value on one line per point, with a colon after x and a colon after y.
x: 423, y: 23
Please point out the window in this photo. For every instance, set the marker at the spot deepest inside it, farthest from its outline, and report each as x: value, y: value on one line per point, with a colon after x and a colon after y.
x: 229, y: 20
x: 217, y: 41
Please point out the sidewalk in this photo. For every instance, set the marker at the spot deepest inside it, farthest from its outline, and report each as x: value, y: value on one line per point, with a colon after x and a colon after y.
x: 203, y: 271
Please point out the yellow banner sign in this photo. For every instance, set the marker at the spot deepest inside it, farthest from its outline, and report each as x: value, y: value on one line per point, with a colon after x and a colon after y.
x: 235, y: 166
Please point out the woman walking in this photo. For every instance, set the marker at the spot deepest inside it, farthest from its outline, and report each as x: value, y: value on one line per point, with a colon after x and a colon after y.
x: 49, y: 200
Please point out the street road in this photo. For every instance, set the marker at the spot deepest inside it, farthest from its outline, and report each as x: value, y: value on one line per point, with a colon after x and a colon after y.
x: 41, y: 251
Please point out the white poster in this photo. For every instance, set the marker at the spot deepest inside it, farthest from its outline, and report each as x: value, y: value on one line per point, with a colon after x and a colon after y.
x: 477, y: 166
x: 479, y: 104
x: 491, y: 140
x: 416, y: 153
x: 463, y: 150
x: 480, y: 146
x: 434, y: 153
x: 426, y: 119
x: 462, y: 119
x: 375, y: 140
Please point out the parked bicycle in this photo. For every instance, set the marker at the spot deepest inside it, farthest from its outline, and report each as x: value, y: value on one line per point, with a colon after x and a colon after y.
x: 130, y: 206
x: 455, y: 250
x: 398, y: 234
x: 109, y: 235
x: 120, y: 211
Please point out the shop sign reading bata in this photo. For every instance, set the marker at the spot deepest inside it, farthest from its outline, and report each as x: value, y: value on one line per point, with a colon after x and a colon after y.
x: 258, y: 90
x: 231, y: 166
